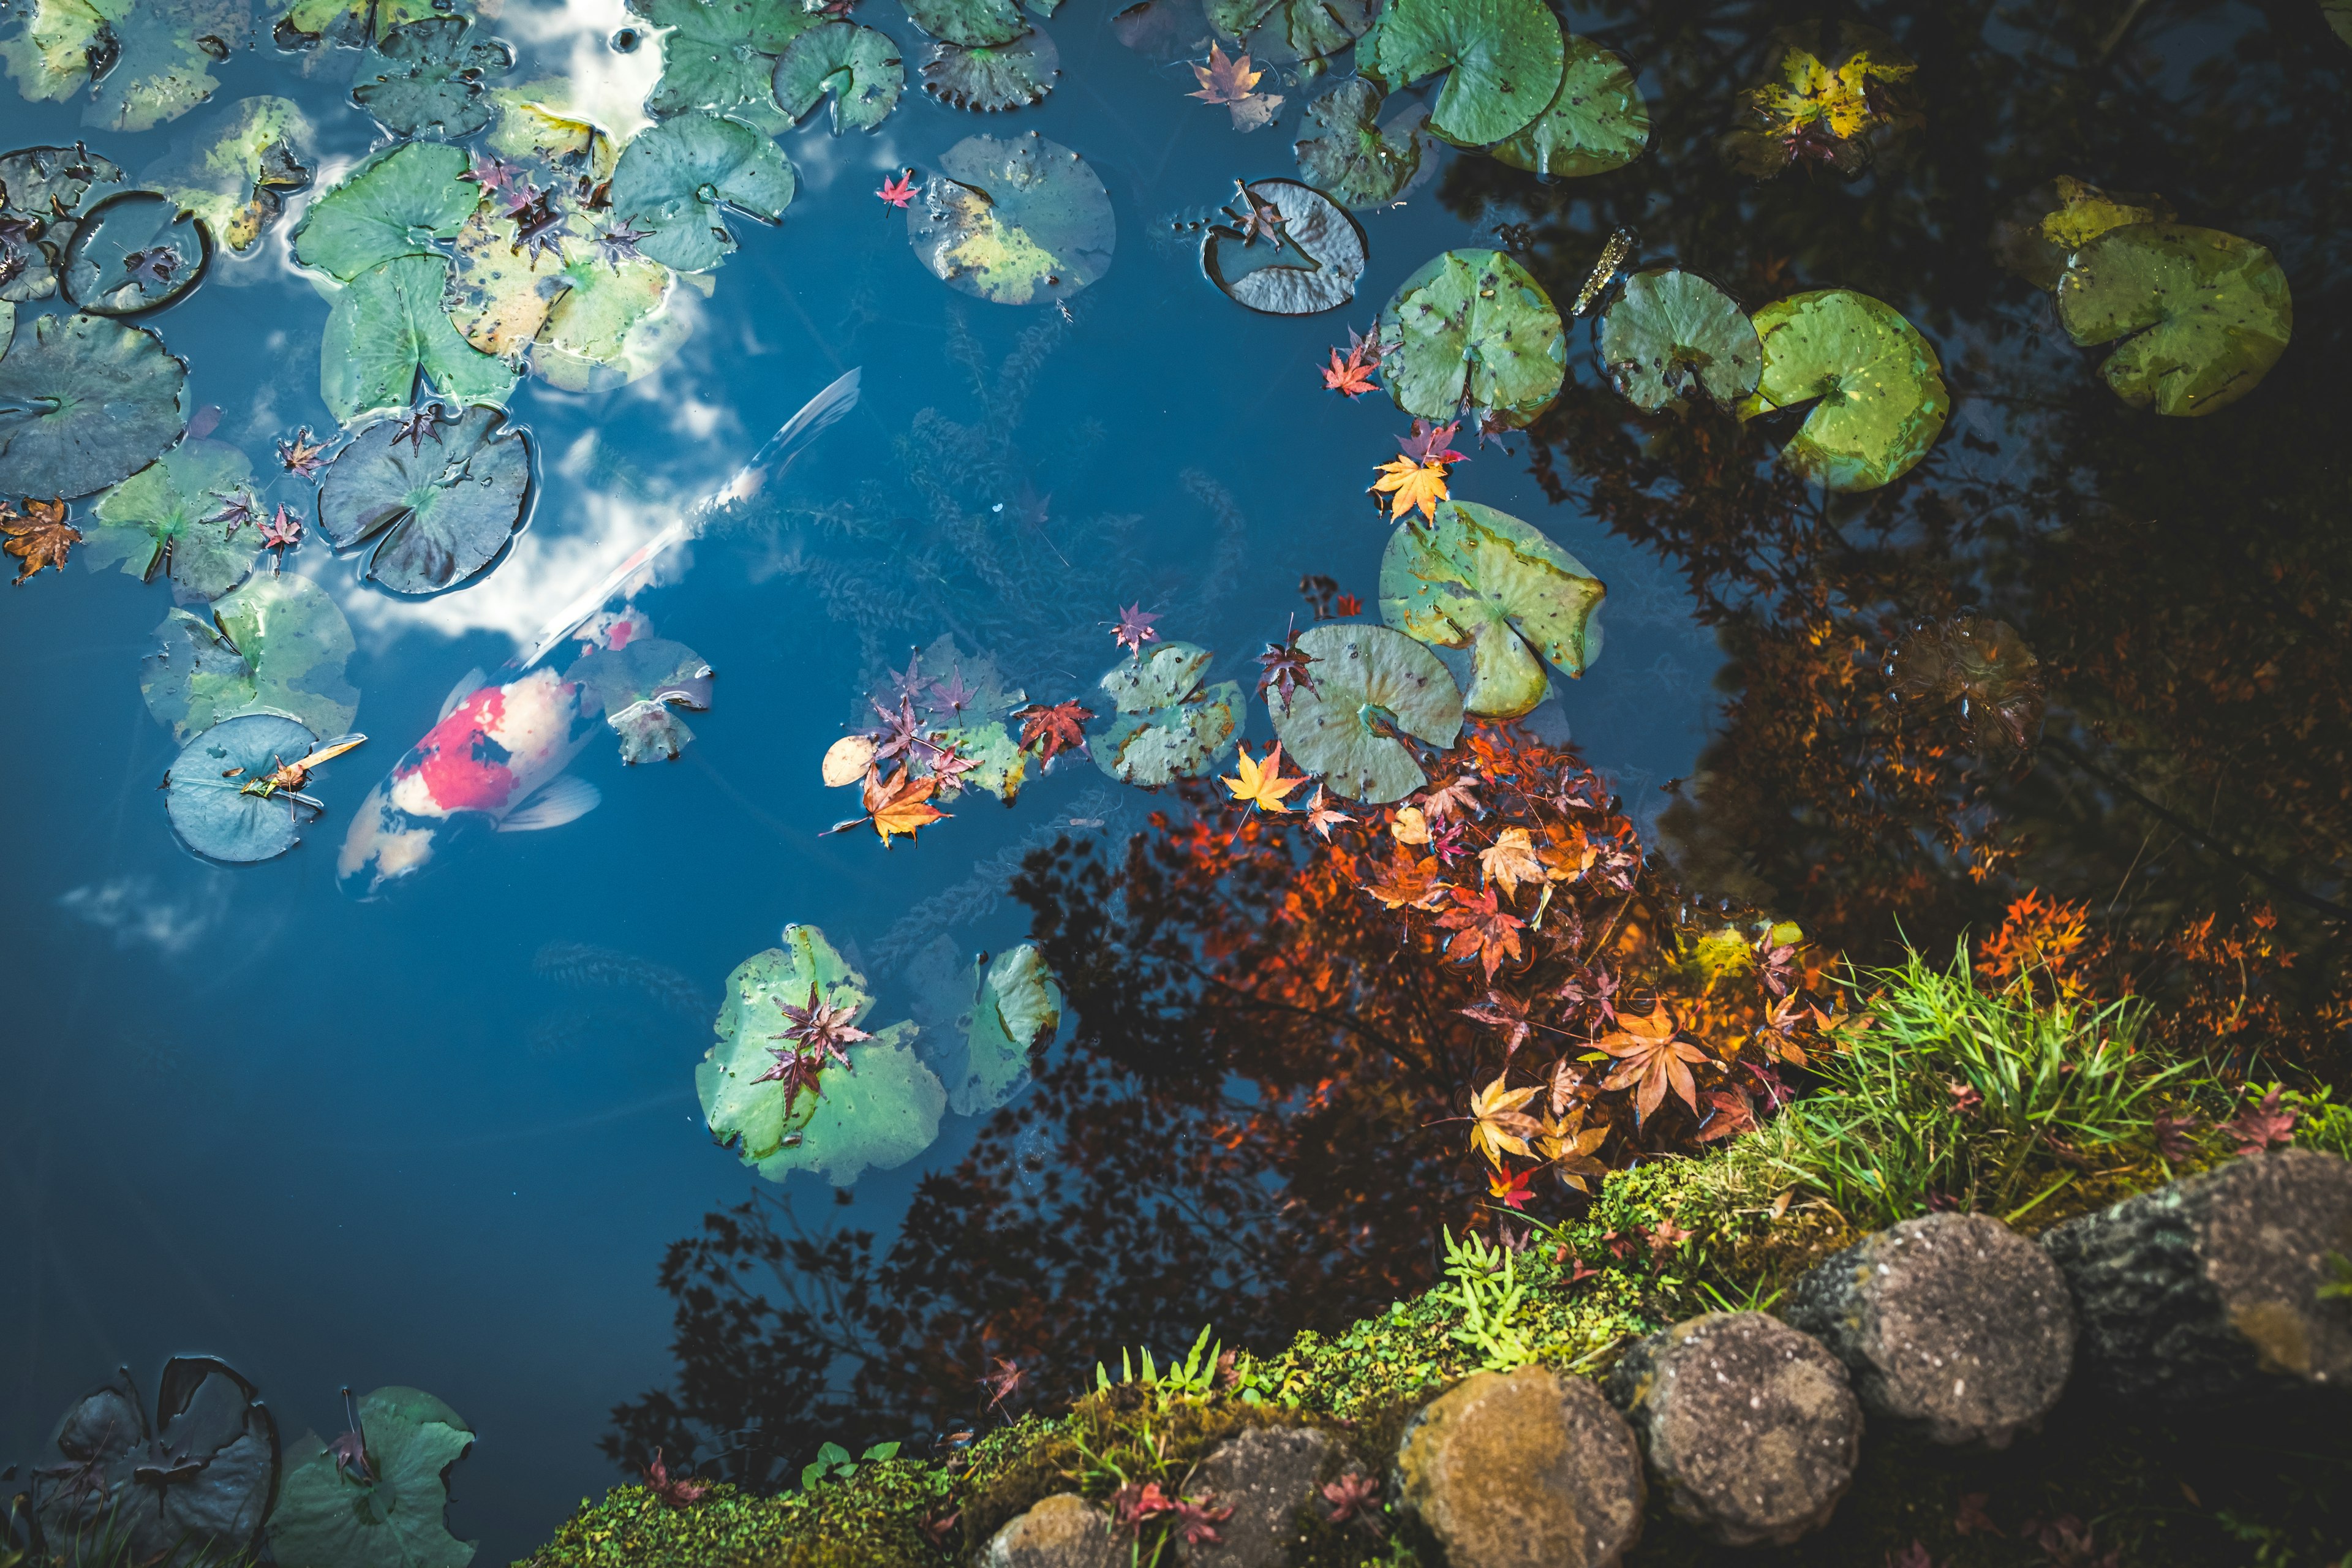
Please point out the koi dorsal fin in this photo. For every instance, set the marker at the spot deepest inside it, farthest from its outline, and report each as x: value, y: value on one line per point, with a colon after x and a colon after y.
x: 467, y: 684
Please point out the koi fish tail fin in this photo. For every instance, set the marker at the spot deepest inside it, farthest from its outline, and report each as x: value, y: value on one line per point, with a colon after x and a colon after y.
x: 817, y: 415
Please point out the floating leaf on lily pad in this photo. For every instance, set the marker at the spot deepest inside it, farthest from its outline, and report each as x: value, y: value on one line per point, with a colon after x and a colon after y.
x: 987, y: 79
x: 1166, y: 727
x: 204, y: 790
x: 1482, y: 579
x: 1376, y: 690
x: 84, y: 402
x: 1000, y: 765
x: 1471, y: 330
x: 1597, y: 120
x: 397, y: 203
x: 2211, y: 313
x: 971, y: 23
x: 1284, y: 31
x: 387, y: 328
x: 499, y: 291
x: 1502, y: 60
x: 721, y: 54
x: 859, y: 66
x: 1347, y: 154
x: 279, y: 644
x: 1018, y: 1008
x: 440, y: 509
x: 351, y: 23
x: 237, y: 176
x: 1882, y: 399
x: 426, y: 79
x: 1672, y: 335
x: 1316, y: 269
x: 328, y: 1517
x: 1013, y: 220
x: 134, y: 252
x: 641, y: 684
x: 678, y: 180
x: 167, y: 517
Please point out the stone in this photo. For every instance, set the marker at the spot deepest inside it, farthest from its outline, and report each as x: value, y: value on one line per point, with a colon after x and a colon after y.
x: 1953, y: 1326
x: 1265, y: 1476
x: 1751, y: 1428
x: 1064, y: 1531
x: 1523, y: 1469
x: 2209, y: 1288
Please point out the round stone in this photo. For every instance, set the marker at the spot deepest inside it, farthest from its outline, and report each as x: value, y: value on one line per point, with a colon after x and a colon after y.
x: 1523, y: 1469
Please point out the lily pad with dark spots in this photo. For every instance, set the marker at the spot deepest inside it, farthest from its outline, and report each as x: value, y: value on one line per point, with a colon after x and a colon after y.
x: 45, y: 188
x: 859, y: 65
x: 1284, y: 31
x: 2204, y: 315
x: 240, y: 169
x: 1596, y: 121
x: 1880, y: 386
x: 396, y: 203
x: 1017, y: 1007
x: 134, y: 252
x: 973, y: 23
x: 1471, y: 332
x: 500, y: 290
x: 386, y: 328
x: 426, y: 78
x: 84, y: 402
x: 1315, y: 268
x: 1013, y: 220
x: 678, y: 181
x: 1482, y: 579
x: 1167, y: 726
x: 611, y: 325
x: 207, y: 791
x: 1376, y: 692
x: 352, y: 23
x: 1347, y: 154
x: 642, y: 684
x: 987, y: 79
x: 152, y: 59
x: 1503, y: 61
x: 280, y: 643
x: 439, y: 508
x: 169, y: 517
x: 392, y: 1511
x: 1672, y: 335
x: 721, y: 54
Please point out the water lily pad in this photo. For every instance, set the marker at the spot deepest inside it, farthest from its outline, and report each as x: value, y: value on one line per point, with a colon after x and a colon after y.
x: 499, y: 293
x: 610, y: 327
x: 2211, y: 313
x: 1376, y: 690
x: 167, y: 517
x: 396, y: 203
x: 1471, y: 330
x: 1316, y: 266
x: 859, y: 66
x: 134, y: 252
x: 426, y: 79
x: 279, y: 643
x: 1284, y: 31
x: 1482, y: 579
x: 990, y: 77
x: 1502, y: 60
x: 1013, y: 220
x: 328, y: 1517
x: 353, y: 24
x: 539, y: 123
x: 971, y: 23
x: 1018, y: 1007
x: 84, y: 402
x: 238, y: 174
x: 1672, y: 335
x: 642, y: 684
x: 1596, y: 121
x: 155, y: 59
x: 1166, y: 727
x: 42, y: 190
x: 440, y: 509
x: 2045, y: 226
x: 1000, y: 765
x: 1833, y: 101
x: 204, y: 790
x: 1881, y: 386
x: 1349, y: 154
x: 386, y: 328
x: 721, y: 54
x: 676, y: 181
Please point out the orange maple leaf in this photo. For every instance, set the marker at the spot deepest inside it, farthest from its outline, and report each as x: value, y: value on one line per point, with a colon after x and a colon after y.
x: 1409, y: 879
x: 1409, y: 484
x: 39, y: 536
x: 1350, y: 375
x: 1650, y: 1056
x: 896, y: 805
x: 1482, y: 929
x: 1223, y: 81
x: 1499, y: 1124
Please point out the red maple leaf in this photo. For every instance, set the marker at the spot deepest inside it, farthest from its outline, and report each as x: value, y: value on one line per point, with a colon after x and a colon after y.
x: 1431, y: 442
x: 1285, y: 665
x: 1351, y: 375
x: 1508, y: 1016
x: 1972, y: 1517
x: 898, y: 192
x: 1355, y: 1497
x: 2263, y: 1126
x: 1349, y: 605
x: 1004, y: 1381
x: 796, y: 1070
x: 1734, y: 1113
x: 1482, y: 929
x: 1512, y: 1190
x: 1054, y: 728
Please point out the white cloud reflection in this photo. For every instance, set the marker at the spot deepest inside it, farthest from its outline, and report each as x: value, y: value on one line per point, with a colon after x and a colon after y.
x: 130, y: 907
x: 573, y: 38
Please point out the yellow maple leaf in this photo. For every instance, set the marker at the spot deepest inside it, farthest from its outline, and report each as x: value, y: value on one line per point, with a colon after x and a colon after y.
x: 1409, y: 484
x: 1498, y: 1125
x: 1261, y: 782
x: 1410, y: 826
x: 1510, y: 860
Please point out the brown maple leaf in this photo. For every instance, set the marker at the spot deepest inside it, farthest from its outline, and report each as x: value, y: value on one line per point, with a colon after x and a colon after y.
x: 1734, y: 1113
x: 1498, y: 1123
x: 1568, y: 1144
x: 1054, y: 728
x: 900, y: 803
x: 2263, y: 1126
x: 676, y: 1491
x: 822, y: 1028
x: 1482, y: 929
x: 1456, y: 798
x: 1224, y: 80
x: 1510, y: 860
x: 1650, y: 1056
x: 1410, y: 880
x: 38, y: 536
x: 1509, y: 1016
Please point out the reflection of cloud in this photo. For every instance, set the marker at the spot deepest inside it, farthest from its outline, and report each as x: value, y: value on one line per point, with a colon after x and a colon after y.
x: 128, y: 907
x: 573, y: 38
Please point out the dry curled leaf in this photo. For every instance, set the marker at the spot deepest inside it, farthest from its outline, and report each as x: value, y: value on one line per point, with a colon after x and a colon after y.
x: 38, y: 536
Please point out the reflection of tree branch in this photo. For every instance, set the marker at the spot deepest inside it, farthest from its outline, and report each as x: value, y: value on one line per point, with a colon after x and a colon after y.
x: 1351, y: 1025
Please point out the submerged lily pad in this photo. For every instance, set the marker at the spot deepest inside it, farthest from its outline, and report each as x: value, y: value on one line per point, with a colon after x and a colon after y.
x: 134, y: 252
x: 2211, y: 313
x: 859, y: 66
x: 1013, y: 220
x: 426, y: 79
x: 440, y: 509
x: 987, y: 79
x: 1833, y: 101
x: 386, y: 328
x: 204, y: 790
x: 1502, y: 60
x: 397, y: 203
x: 1672, y: 334
x: 168, y: 516
x: 1166, y: 727
x: 971, y: 23
x: 42, y: 190
x: 1349, y: 154
x: 1596, y: 121
x: 328, y: 1516
x: 1283, y: 32
x: 277, y: 644
x: 1018, y: 1008
x: 237, y: 181
x: 1376, y: 690
x: 1471, y: 330
x: 678, y: 180
x: 721, y: 54
x: 1482, y: 579
x: 1317, y: 268
x: 1882, y: 399
x: 153, y: 60
x: 84, y: 402
x: 642, y: 684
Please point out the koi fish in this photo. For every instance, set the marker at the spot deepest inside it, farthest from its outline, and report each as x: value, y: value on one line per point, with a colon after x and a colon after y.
x: 496, y: 754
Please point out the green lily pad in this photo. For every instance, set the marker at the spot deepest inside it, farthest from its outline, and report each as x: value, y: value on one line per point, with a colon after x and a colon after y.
x: 134, y: 252
x: 677, y: 179
x: 1882, y: 399
x: 157, y: 56
x: 397, y: 203
x: 387, y: 328
x: 426, y: 79
x: 1502, y: 60
x: 1000, y: 765
x: 642, y: 684
x: 989, y: 78
x: 354, y: 23
x: 1482, y: 579
x: 1166, y: 727
x: 1375, y: 690
x: 1013, y: 220
x: 610, y: 327
x: 2045, y: 226
x: 45, y: 189
x: 1829, y: 100
x: 277, y: 644
x: 1018, y: 1007
x: 721, y: 54
x: 1321, y: 258
x: 1472, y: 330
x: 85, y: 402
x: 204, y: 789
x: 167, y: 517
x: 327, y: 1517
x: 238, y: 176
x: 1285, y: 32
x: 2204, y: 314
x: 1348, y: 154
x: 1597, y: 120
x: 971, y: 23
x: 440, y: 509
x: 859, y: 66
x: 499, y: 294
x: 1672, y: 334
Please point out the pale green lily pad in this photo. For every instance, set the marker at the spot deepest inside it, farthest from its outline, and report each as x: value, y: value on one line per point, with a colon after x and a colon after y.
x: 1597, y: 120
x: 2045, y: 226
x: 352, y: 23
x: 159, y: 55
x: 134, y: 252
x: 2338, y: 13
x: 386, y: 328
x: 328, y: 1518
x: 610, y: 327
x: 677, y: 179
x: 1284, y: 31
x: 641, y: 684
x: 499, y: 293
x: 859, y: 66
x: 205, y: 795
x: 440, y: 509
x: 1482, y: 579
x: 2213, y: 313
x: 167, y: 517
x: 426, y: 79
x: 1322, y: 255
x: 1502, y: 60
x: 1471, y: 330
x: 279, y: 644
x: 1017, y: 1009
x: 539, y: 123
x: 1882, y: 399
x: 397, y: 203
x: 1348, y: 154
x: 721, y: 54
x: 1672, y: 335
x: 971, y: 23
x: 989, y: 78
x: 1000, y: 765
x: 85, y: 402
x: 239, y: 175
x: 1013, y: 220
x: 1375, y: 690
x: 1167, y: 728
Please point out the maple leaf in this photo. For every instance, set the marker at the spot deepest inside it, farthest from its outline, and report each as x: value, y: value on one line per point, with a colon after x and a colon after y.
x: 1257, y: 216
x: 1054, y: 729
x: 1508, y: 1015
x: 937, y: 1529
x: 1482, y: 929
x: 1563, y: 1082
x: 1357, y: 1498
x: 1199, y: 1521
x: 2263, y: 1126
x: 619, y: 244
x: 350, y: 1446
x: 1499, y: 1124
x: 1595, y: 988
x: 1651, y: 1056
x: 899, y: 732
x: 1665, y: 1235
x: 1408, y: 826
x: 1323, y: 818
x: 38, y: 536
x: 1568, y: 1144
x: 2172, y: 1136
x: 414, y: 425
x: 539, y: 229
x: 1409, y: 484
x: 1451, y: 841
x: 1134, y: 629
x: 1002, y: 1382
x: 1431, y: 442
x: 950, y: 696
x: 1409, y: 880
x: 1512, y: 1188
x: 1139, y: 1501
x: 899, y: 191
x: 1457, y: 797
x: 1912, y: 1557
x: 1972, y: 1517
x: 796, y: 1070
x: 1349, y: 605
x: 1350, y: 376
x: 301, y: 455
x: 1224, y: 80
x: 1283, y: 666
x: 1734, y: 1113
x: 239, y: 508
x: 821, y: 1028
x: 678, y: 1491
x: 1510, y: 860
x: 1775, y: 964
x: 1260, y: 781
x: 495, y: 175
x: 1965, y: 1097
x: 151, y: 266
x: 281, y: 532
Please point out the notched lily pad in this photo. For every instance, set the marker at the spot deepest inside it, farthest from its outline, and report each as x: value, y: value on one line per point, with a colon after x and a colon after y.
x: 985, y: 78
x: 257, y: 154
x: 972, y: 24
x: 440, y: 507
x: 386, y: 328
x: 1013, y: 220
x: 1672, y: 335
x: 859, y: 66
x: 1472, y: 332
x: 1482, y: 579
x: 721, y: 54
x: 1502, y: 60
x: 1315, y: 268
x: 1285, y: 32
x: 1167, y: 726
x: 1376, y: 691
x: 642, y: 685
x: 426, y: 79
x: 280, y: 643
x: 84, y: 402
x: 147, y: 61
x: 1883, y: 398
x: 2053, y: 221
x: 396, y: 203
x: 172, y: 516
x: 678, y: 180
x: 135, y: 252
x: 206, y: 797
x: 1346, y: 152
x: 1597, y: 120
x: 392, y: 1513
x: 2211, y: 313
x: 1016, y: 1009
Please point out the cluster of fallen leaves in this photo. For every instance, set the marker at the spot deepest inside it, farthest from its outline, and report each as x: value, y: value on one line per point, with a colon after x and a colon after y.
x: 1416, y: 479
